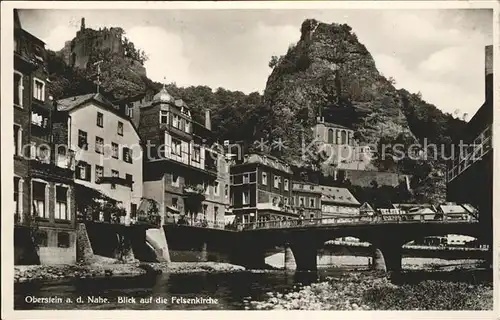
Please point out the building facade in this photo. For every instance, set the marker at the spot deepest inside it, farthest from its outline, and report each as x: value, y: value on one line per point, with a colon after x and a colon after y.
x: 43, y: 179
x: 183, y: 173
x: 339, y: 147
x: 261, y: 189
x: 306, y: 199
x: 470, y: 172
x: 108, y: 150
x: 338, y: 201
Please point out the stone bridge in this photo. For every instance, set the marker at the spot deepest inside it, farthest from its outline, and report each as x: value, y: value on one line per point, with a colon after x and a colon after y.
x: 387, y: 235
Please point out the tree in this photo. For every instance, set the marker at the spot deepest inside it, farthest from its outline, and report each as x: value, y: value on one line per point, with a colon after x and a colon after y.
x: 275, y: 60
x: 193, y: 198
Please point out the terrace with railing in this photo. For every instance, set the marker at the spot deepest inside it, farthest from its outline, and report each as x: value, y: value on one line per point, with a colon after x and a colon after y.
x: 472, y: 153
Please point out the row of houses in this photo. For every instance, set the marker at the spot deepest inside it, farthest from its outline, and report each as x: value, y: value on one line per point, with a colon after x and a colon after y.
x: 89, y: 158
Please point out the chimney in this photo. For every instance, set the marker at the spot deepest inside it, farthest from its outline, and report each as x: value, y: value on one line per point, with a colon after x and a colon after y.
x: 488, y: 72
x: 208, y: 122
x: 82, y: 27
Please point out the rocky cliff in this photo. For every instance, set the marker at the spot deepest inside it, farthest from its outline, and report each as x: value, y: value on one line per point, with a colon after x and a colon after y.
x: 329, y: 72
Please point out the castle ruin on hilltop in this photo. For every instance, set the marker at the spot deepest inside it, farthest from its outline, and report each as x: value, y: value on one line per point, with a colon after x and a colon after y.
x: 76, y: 52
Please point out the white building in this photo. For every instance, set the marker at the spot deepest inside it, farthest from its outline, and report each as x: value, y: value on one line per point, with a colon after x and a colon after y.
x: 107, y: 149
x: 338, y: 201
x: 339, y: 148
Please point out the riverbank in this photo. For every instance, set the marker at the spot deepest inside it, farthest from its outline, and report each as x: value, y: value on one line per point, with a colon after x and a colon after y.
x: 371, y: 291
x: 115, y: 269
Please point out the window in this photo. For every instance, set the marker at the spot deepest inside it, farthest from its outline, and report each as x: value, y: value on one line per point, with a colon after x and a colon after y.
x: 277, y: 181
x: 264, y: 178
x: 130, y: 110
x: 204, y: 211
x: 186, y: 128
x: 42, y: 239
x: 18, y: 89
x: 100, y: 119
x: 114, y: 174
x: 43, y: 154
x: 175, y: 180
x: 216, y: 213
x: 330, y: 136
x: 83, y: 171
x: 39, y: 120
x: 174, y: 202
x: 38, y: 89
x: 99, y: 145
x: 17, y: 198
x: 114, y: 148
x: 129, y: 178
x: 226, y: 191
x: 216, y: 188
x: 312, y: 203
x: 62, y: 203
x: 120, y: 128
x: 196, y: 153
x: 127, y: 155
x: 176, y: 147
x: 246, y: 197
x: 99, y: 173
x: 38, y: 191
x: 63, y: 240
x: 301, y: 201
x: 344, y: 137
x: 82, y: 140
x: 17, y: 140
x: 181, y: 123
x: 246, y: 178
x: 286, y: 184
x: 175, y: 121
x: 163, y: 116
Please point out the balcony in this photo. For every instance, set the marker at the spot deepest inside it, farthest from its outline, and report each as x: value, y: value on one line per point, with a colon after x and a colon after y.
x: 148, y: 219
x: 23, y: 52
x: 184, y: 158
x: 481, y: 146
x: 285, y: 208
x: 115, y: 181
x: 177, y: 131
x: 64, y: 169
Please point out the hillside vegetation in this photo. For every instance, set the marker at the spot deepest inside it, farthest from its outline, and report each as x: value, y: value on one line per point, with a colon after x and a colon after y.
x: 329, y: 71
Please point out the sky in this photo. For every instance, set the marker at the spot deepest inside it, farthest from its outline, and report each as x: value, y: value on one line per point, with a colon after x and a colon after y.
x: 439, y: 53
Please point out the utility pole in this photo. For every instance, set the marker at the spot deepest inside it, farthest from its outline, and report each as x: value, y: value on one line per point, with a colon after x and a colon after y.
x: 98, y: 82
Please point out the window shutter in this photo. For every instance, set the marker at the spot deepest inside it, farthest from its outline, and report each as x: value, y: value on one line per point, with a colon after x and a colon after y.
x: 77, y: 171
x: 87, y: 172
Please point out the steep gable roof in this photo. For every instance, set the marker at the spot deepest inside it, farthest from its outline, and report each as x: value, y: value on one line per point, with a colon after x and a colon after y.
x: 337, y: 195
x: 72, y: 103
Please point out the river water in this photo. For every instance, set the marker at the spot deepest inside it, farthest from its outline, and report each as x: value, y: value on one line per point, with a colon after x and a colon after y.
x: 231, y: 290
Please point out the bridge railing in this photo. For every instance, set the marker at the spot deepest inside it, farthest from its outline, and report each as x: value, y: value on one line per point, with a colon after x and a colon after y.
x: 200, y: 223
x: 358, y: 219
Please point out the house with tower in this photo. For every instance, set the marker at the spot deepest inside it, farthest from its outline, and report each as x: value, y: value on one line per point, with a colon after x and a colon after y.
x: 183, y: 172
